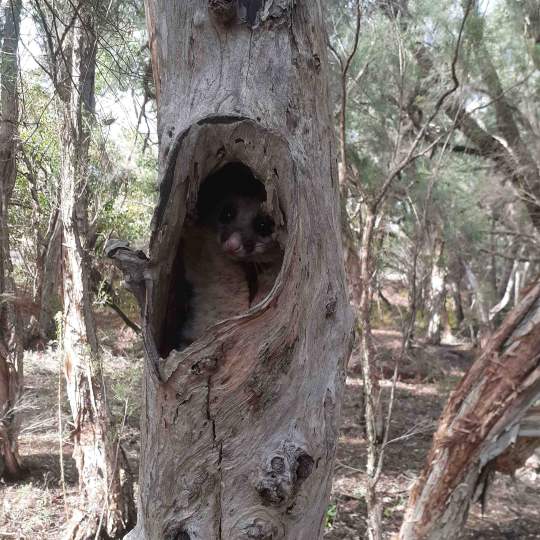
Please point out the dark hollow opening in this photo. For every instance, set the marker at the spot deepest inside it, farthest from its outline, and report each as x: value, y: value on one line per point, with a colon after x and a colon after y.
x: 228, y: 257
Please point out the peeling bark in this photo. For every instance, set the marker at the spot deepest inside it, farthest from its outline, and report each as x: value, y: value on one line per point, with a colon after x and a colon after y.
x: 480, y: 421
x: 239, y: 430
x: 106, y: 500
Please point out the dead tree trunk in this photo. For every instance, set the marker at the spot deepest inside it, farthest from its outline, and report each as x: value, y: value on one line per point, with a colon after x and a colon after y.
x: 11, y: 369
x: 106, y: 508
x: 240, y: 427
x: 480, y: 421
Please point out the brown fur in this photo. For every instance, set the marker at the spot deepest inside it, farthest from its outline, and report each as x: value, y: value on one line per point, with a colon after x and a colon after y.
x: 219, y: 283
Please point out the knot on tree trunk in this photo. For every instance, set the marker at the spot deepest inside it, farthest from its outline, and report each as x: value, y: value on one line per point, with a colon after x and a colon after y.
x: 257, y: 523
x: 205, y: 366
x: 260, y: 529
x: 281, y: 478
x: 223, y: 10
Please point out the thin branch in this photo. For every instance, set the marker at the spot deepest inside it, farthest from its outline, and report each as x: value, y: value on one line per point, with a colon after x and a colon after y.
x: 411, y: 156
x: 509, y: 257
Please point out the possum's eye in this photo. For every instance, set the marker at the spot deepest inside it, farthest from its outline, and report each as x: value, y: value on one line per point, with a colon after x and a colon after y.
x: 263, y: 225
x: 228, y: 213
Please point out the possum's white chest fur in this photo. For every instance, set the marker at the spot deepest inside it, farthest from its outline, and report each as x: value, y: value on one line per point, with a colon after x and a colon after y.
x: 219, y: 286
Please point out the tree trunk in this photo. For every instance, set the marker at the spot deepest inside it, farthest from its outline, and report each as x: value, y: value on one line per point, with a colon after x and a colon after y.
x: 106, y: 507
x: 11, y: 367
x: 507, y: 296
x: 49, y: 303
x: 531, y: 16
x: 239, y: 431
x: 480, y: 305
x: 437, y: 294
x: 459, y: 314
x: 480, y: 421
x: 372, y: 391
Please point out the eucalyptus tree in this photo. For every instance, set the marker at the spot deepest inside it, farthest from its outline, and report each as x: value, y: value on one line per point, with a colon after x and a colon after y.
x: 106, y: 501
x: 11, y: 368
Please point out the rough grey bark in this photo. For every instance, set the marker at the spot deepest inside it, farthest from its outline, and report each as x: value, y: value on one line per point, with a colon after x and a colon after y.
x: 11, y: 367
x: 479, y: 423
x: 106, y: 507
x: 239, y: 429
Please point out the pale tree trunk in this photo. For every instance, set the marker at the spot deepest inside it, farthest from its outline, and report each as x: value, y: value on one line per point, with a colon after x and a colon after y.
x: 239, y: 430
x: 437, y: 293
x: 11, y: 368
x: 530, y: 12
x: 508, y: 269
x: 352, y: 259
x: 532, y: 29
x: 479, y: 305
x: 43, y: 328
x: 106, y: 498
x: 507, y: 296
x: 522, y: 277
x: 351, y: 256
x: 360, y: 276
x: 493, y: 267
x: 372, y: 391
x: 479, y: 423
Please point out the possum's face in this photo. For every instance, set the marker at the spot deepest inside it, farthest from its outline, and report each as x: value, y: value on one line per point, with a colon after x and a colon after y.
x: 244, y: 231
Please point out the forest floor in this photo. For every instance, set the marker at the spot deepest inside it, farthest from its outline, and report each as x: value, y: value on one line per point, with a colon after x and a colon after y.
x: 512, y: 509
x: 36, y: 508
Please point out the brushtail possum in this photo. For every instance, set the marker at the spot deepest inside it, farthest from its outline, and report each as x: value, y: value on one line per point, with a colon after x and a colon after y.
x: 231, y: 259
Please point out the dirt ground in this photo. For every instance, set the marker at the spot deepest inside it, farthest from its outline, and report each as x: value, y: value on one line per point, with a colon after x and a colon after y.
x: 37, y: 508
x: 513, y: 505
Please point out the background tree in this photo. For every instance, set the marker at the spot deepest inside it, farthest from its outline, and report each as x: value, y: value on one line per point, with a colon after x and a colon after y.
x: 11, y: 367
x: 409, y: 100
x: 105, y: 484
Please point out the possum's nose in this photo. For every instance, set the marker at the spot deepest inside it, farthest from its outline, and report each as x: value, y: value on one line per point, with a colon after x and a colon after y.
x: 233, y: 244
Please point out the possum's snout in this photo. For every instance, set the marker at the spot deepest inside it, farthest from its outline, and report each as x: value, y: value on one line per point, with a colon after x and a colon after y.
x: 233, y: 245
